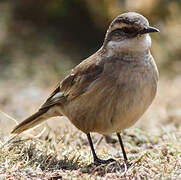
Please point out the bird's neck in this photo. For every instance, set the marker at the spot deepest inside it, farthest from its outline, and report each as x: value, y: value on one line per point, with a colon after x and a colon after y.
x: 130, y: 47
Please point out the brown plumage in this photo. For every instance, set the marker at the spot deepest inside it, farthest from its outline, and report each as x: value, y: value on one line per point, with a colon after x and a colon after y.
x: 111, y: 89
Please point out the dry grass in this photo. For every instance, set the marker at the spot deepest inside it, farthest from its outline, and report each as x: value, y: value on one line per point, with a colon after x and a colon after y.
x: 153, y: 145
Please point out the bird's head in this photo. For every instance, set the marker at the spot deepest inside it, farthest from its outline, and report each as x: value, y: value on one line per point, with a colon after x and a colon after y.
x: 129, y: 32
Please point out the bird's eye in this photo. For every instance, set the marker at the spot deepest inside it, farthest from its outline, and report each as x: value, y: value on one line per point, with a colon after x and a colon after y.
x: 116, y: 32
x: 128, y: 30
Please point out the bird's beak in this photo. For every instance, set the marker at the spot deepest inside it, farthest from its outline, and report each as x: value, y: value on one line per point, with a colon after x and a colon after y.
x: 149, y: 29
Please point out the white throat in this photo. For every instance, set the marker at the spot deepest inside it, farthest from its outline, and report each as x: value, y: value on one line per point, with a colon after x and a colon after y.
x: 135, y: 45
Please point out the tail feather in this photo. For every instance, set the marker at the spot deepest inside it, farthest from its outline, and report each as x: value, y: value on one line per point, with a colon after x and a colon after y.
x: 31, y: 121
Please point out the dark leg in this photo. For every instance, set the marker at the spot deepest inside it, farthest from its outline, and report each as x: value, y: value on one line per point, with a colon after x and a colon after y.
x: 96, y: 159
x: 122, y: 147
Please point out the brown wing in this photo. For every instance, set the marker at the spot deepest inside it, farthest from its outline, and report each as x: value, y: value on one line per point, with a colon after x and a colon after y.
x: 74, y: 84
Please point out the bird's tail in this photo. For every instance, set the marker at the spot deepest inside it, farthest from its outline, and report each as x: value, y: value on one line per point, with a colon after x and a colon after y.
x: 31, y: 121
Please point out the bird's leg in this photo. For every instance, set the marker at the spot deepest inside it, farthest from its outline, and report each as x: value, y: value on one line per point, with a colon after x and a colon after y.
x: 96, y: 159
x: 122, y: 147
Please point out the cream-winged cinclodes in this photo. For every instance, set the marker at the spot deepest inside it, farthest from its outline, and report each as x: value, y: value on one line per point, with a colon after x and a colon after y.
x: 110, y: 90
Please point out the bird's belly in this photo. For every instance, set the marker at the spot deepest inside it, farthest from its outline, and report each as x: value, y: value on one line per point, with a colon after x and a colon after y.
x: 111, y: 109
x: 133, y: 104
x: 128, y: 113
x: 90, y: 113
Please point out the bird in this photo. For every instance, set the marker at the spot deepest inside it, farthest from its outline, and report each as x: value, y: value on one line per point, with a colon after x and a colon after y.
x: 110, y: 90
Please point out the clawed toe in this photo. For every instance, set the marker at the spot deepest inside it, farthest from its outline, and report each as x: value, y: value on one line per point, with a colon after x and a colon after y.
x: 100, y: 161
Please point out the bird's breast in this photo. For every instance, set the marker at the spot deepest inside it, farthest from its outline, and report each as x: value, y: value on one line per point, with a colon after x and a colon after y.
x: 136, y: 95
x: 116, y: 100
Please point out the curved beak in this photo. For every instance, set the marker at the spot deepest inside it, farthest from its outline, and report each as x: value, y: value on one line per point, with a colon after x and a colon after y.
x: 149, y: 30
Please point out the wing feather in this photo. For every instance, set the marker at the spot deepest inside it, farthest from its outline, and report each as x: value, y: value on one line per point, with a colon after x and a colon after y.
x: 74, y: 84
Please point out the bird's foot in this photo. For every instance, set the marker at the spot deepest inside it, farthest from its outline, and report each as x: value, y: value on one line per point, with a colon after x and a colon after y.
x: 98, y: 161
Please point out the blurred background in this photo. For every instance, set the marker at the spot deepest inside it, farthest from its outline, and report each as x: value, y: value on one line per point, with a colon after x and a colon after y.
x: 41, y: 40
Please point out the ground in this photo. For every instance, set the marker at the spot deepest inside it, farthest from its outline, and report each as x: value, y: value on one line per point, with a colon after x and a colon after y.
x: 57, y: 150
